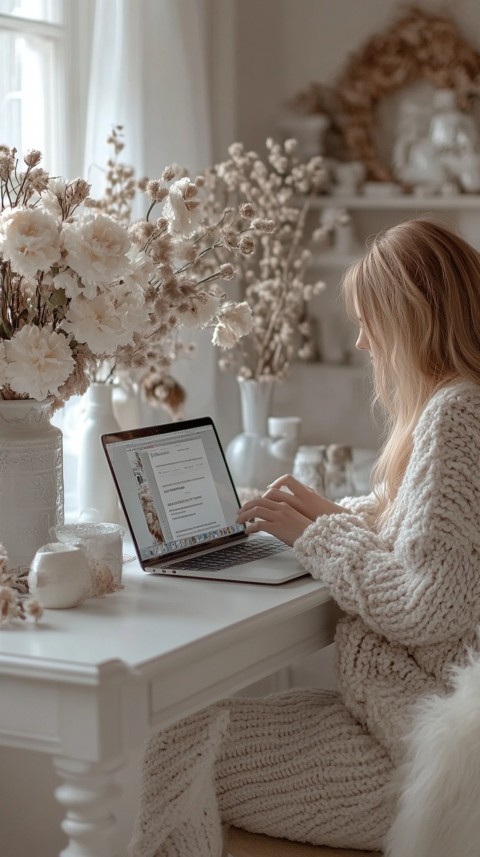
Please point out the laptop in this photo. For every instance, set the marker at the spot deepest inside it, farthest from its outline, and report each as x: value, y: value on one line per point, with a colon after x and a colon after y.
x: 181, y: 505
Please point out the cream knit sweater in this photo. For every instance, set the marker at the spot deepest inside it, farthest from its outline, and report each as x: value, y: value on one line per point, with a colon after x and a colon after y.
x: 412, y: 592
x: 311, y: 765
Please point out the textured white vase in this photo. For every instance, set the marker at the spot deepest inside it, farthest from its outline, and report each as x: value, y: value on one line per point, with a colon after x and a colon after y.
x: 255, y: 457
x: 97, y: 494
x: 31, y: 478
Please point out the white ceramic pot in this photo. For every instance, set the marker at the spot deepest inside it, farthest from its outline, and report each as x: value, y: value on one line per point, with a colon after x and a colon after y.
x: 59, y: 575
x: 31, y: 478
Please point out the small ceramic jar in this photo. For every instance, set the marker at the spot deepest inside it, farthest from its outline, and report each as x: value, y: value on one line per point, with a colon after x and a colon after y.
x: 339, y: 471
x: 309, y: 467
x: 102, y: 543
x: 59, y: 575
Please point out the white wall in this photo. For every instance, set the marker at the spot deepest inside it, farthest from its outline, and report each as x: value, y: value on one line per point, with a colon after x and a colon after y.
x: 283, y: 45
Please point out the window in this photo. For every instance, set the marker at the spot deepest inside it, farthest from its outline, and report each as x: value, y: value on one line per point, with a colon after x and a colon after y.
x: 44, y: 65
x: 32, y: 75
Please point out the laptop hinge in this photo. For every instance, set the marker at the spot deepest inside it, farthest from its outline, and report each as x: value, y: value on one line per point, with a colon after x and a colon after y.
x: 169, y: 559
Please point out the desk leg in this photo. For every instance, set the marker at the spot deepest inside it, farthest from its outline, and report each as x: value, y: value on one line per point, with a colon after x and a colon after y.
x: 88, y: 793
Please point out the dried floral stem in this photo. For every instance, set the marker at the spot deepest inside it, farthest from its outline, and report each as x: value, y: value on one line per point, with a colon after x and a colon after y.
x: 276, y: 192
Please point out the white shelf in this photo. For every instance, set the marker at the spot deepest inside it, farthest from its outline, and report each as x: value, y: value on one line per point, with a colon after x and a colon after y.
x: 465, y: 201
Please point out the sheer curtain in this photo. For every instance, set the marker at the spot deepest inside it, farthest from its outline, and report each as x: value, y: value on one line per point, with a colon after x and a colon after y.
x: 150, y: 72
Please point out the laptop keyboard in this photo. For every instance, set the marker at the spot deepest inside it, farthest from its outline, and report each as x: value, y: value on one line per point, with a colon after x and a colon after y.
x: 234, y: 555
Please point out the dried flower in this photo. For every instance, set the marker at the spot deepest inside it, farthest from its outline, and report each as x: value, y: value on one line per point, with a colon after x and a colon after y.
x: 13, y: 589
x: 56, y: 259
x: 275, y: 194
x: 33, y: 608
x: 177, y: 250
x: 33, y: 158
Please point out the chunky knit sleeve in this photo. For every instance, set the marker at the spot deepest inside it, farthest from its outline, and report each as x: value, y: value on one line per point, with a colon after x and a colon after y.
x: 421, y: 583
x: 363, y: 507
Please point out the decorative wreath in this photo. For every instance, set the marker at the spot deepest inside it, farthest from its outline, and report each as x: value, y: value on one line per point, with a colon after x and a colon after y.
x: 419, y: 45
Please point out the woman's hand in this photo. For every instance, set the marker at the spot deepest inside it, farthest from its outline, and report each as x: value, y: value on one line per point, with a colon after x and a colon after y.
x: 278, y: 519
x: 285, y: 514
x: 300, y: 497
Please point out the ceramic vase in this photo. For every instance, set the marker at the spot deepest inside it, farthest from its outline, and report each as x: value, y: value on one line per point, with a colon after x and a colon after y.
x: 309, y: 130
x: 31, y: 478
x: 255, y: 456
x: 97, y: 494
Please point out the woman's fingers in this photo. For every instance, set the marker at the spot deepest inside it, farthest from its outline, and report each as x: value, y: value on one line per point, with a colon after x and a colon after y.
x: 286, y: 497
x: 249, y: 505
x: 302, y: 498
x: 259, y: 507
x: 289, y: 481
x: 285, y: 524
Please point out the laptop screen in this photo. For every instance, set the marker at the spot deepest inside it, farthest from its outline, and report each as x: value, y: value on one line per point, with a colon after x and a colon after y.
x: 174, y: 485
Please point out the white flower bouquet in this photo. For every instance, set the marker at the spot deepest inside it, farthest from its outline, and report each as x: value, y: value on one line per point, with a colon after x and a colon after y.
x: 83, y: 295
x: 70, y: 289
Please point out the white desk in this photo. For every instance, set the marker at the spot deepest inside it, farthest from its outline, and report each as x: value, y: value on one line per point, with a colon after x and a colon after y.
x: 89, y: 685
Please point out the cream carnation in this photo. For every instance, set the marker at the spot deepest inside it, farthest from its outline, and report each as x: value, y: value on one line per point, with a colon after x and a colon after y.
x: 51, y: 196
x: 98, y: 323
x: 141, y: 266
x: 29, y: 240
x: 129, y: 302
x: 39, y: 361
x: 200, y: 314
x: 68, y: 281
x: 182, y: 220
x: 235, y: 321
x: 96, y: 248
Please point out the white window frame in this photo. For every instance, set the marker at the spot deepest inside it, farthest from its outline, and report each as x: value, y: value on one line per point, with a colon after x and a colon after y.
x: 55, y: 34
x: 71, y: 41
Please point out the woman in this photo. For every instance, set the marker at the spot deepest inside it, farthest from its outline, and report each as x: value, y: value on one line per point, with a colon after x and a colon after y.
x: 403, y: 563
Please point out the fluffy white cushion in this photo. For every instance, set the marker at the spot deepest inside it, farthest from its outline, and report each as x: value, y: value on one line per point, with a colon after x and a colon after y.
x: 439, y: 805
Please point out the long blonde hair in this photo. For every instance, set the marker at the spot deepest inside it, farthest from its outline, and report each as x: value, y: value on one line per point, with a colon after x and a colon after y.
x: 416, y: 293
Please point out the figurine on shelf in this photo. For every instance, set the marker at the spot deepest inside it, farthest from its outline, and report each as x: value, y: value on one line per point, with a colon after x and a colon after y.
x: 415, y: 158
x: 348, y: 178
x: 437, y: 151
x: 452, y: 131
x: 341, y: 232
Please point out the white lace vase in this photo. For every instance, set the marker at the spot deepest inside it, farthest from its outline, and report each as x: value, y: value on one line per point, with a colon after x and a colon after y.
x: 31, y: 478
x: 256, y: 457
x: 97, y: 494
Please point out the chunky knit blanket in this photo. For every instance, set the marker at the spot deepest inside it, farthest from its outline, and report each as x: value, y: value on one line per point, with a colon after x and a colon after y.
x: 315, y: 766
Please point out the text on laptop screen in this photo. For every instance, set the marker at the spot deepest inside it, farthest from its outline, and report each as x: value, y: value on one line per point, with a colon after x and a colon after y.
x: 176, y: 490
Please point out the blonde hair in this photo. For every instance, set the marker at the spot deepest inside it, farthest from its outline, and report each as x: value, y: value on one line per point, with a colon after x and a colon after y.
x: 416, y: 294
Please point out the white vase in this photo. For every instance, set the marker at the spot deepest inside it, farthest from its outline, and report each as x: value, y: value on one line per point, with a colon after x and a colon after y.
x: 127, y: 407
x: 308, y: 129
x: 31, y: 478
x: 97, y: 494
x: 255, y: 457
